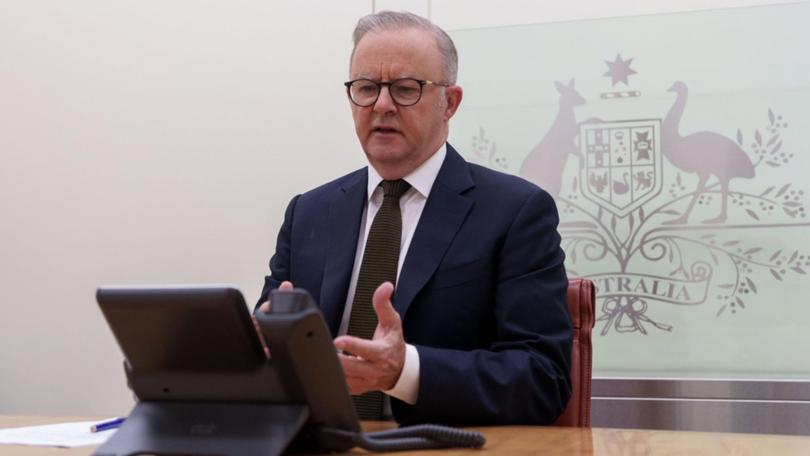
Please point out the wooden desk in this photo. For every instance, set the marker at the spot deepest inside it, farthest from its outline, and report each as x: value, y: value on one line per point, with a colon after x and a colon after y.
x: 528, y: 440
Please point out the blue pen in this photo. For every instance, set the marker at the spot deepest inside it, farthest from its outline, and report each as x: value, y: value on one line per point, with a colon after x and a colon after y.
x: 105, y: 425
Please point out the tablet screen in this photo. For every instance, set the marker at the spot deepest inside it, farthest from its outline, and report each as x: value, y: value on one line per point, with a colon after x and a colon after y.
x: 182, y: 328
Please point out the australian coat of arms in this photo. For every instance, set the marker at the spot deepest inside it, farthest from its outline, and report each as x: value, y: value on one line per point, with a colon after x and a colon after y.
x: 656, y: 215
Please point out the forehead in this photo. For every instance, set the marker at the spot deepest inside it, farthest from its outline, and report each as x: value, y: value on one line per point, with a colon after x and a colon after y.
x: 396, y: 53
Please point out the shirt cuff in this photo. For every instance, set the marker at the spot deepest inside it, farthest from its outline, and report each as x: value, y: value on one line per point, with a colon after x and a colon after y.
x: 407, y: 387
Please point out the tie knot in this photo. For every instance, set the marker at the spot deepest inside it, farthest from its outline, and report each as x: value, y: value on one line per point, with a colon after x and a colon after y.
x: 395, y: 188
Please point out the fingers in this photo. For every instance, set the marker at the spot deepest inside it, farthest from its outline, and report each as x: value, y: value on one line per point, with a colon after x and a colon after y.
x: 374, y: 364
x: 363, y: 348
x: 362, y: 376
x: 356, y: 367
x: 387, y: 317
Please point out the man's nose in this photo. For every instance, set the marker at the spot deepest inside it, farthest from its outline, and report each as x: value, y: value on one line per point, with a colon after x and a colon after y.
x: 385, y: 103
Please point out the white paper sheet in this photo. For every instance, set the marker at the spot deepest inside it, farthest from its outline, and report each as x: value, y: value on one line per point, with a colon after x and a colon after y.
x: 65, y: 435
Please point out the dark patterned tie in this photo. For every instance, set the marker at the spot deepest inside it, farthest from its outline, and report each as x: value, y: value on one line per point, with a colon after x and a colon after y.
x: 380, y: 260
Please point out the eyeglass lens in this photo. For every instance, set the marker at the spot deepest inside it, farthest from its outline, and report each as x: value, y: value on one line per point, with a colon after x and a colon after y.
x: 405, y: 92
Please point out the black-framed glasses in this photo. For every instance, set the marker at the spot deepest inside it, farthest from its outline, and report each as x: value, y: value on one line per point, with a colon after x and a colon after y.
x: 404, y: 91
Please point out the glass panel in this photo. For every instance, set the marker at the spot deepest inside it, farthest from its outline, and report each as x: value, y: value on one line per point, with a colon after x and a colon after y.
x: 676, y: 147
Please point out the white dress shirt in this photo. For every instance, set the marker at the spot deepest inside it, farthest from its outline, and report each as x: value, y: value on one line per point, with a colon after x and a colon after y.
x: 411, y: 205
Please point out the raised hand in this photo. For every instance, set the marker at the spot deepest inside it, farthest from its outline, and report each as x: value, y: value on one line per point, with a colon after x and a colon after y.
x: 372, y: 365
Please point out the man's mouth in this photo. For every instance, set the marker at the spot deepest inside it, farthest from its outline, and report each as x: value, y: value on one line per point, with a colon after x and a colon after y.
x: 385, y: 130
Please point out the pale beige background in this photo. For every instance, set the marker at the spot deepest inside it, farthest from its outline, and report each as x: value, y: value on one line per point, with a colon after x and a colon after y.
x: 159, y: 142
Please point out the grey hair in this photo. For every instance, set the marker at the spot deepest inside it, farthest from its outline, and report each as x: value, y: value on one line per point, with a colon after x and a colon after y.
x: 391, y: 20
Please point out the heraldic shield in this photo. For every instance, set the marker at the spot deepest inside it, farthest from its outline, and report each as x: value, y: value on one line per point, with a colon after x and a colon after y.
x: 623, y: 168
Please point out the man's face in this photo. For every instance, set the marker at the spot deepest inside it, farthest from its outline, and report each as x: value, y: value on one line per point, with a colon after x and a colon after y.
x: 398, y: 139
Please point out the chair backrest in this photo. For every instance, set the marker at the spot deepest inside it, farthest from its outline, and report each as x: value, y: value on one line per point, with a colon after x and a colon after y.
x: 581, y: 302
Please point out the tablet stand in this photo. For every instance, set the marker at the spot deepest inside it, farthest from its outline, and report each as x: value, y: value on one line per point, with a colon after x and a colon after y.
x: 200, y: 428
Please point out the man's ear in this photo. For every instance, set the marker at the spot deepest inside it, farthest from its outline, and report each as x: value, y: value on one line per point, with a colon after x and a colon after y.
x: 452, y: 96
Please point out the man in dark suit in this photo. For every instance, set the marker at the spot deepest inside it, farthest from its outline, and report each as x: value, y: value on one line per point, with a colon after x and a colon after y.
x: 478, y: 330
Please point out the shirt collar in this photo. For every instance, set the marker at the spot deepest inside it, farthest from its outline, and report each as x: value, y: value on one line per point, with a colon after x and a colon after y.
x: 421, y: 179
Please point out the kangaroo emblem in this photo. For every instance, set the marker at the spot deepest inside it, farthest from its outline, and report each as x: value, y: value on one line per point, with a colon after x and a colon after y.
x: 545, y: 164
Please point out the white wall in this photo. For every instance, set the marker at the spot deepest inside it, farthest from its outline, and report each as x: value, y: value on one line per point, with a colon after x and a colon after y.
x: 159, y: 142
x: 150, y: 142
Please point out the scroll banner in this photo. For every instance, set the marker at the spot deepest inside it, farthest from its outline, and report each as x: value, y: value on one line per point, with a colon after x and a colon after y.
x: 645, y: 286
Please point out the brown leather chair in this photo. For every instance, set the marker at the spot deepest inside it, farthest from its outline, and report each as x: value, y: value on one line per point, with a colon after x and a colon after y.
x: 581, y: 302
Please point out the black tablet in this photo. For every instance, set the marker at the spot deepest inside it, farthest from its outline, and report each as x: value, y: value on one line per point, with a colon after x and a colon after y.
x: 200, y: 344
x: 182, y: 328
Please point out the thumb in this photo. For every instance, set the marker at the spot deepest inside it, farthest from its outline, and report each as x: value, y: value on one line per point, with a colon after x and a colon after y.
x: 387, y: 317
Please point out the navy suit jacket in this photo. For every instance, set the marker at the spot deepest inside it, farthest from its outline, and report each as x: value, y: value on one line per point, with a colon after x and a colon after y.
x: 481, y: 293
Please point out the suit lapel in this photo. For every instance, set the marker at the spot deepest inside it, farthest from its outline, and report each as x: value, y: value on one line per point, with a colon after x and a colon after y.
x: 343, y: 224
x: 444, y: 213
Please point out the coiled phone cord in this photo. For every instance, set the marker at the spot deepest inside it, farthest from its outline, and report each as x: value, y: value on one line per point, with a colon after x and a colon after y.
x: 417, y: 437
